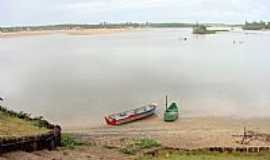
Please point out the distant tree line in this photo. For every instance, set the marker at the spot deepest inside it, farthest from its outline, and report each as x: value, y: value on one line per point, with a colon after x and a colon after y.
x: 169, y: 25
x: 94, y: 26
x: 256, y: 25
x: 247, y: 26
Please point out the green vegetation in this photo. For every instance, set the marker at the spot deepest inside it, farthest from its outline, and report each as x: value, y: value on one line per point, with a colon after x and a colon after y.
x: 36, y: 121
x: 69, y: 141
x: 11, y: 126
x: 256, y: 25
x: 137, y: 145
x: 202, y: 29
x: 207, y: 156
x: 169, y: 25
x: 268, y: 25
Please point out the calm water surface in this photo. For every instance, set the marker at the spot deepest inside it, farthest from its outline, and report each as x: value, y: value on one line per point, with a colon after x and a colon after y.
x: 76, y: 80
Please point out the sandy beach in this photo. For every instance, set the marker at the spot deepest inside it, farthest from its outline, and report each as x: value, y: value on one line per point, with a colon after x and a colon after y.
x: 189, y: 133
x: 68, y: 32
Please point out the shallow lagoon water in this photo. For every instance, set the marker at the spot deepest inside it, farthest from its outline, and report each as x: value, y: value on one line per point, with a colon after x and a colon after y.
x: 76, y: 80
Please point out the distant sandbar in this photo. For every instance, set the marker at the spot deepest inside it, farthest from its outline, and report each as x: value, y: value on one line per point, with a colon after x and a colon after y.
x: 68, y: 32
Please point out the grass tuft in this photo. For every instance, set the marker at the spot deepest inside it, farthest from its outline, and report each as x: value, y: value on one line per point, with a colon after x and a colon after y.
x: 11, y: 126
x: 69, y: 141
x: 137, y: 145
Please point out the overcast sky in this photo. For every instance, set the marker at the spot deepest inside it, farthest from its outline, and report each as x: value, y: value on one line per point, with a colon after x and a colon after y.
x: 41, y: 12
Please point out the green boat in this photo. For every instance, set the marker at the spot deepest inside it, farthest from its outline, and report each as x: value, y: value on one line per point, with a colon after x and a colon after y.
x: 171, y: 113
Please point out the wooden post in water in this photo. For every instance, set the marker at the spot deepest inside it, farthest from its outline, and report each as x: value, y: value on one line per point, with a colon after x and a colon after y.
x: 244, y: 136
x: 166, y: 102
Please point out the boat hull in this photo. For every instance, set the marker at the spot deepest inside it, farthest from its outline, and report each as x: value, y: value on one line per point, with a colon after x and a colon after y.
x: 111, y: 121
x: 171, y: 114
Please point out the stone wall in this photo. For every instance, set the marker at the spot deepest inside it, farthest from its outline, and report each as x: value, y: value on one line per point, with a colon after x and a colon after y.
x: 49, y: 140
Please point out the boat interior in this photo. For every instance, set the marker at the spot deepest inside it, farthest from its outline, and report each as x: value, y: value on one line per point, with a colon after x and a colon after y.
x: 129, y: 113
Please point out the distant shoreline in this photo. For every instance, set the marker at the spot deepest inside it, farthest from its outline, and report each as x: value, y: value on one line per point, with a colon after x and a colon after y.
x: 90, y: 29
x: 84, y: 29
x: 67, y: 32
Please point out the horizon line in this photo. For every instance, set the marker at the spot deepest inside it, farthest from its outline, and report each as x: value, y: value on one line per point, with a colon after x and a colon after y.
x: 127, y: 22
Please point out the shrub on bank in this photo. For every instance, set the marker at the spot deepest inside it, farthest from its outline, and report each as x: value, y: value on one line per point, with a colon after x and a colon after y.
x: 69, y: 141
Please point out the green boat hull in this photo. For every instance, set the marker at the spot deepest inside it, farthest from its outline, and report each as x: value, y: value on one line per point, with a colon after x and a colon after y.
x: 171, y: 113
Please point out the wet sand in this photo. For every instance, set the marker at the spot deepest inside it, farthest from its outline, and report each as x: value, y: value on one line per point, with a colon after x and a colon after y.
x: 68, y: 32
x: 188, y: 133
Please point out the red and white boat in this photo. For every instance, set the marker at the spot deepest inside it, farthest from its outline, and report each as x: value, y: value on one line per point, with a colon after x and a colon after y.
x: 131, y: 115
